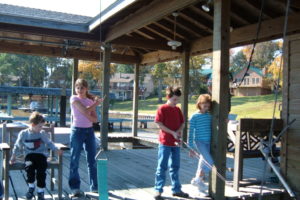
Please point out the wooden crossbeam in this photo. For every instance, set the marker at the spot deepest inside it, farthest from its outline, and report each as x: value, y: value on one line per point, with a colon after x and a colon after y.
x: 153, y: 12
x: 142, y: 43
x: 270, y: 29
x: 58, y: 52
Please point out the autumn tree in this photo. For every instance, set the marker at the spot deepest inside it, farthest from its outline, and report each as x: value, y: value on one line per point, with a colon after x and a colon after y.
x: 264, y: 53
x: 92, y: 71
x: 275, y: 70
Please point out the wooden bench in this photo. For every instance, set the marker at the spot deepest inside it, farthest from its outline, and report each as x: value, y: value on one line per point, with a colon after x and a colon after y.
x: 54, y: 162
x: 244, y: 142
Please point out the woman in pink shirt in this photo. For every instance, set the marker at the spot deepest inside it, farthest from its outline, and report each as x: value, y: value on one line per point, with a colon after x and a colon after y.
x: 83, y: 107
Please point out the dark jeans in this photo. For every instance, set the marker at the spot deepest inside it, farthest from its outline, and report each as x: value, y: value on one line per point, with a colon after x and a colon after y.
x: 37, y: 170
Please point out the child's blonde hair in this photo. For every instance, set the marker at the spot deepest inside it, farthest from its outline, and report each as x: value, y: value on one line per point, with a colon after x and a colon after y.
x: 204, y: 98
x: 36, y: 118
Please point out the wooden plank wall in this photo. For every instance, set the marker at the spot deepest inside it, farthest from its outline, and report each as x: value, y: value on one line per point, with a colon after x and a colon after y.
x: 290, y: 163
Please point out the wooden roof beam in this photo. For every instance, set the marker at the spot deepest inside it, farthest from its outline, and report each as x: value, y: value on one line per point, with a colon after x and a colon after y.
x: 142, y: 43
x: 270, y: 29
x: 203, y: 14
x: 196, y: 23
x: 183, y: 26
x: 250, y: 8
x: 238, y: 19
x: 167, y: 37
x: 58, y: 52
x: 138, y: 33
x: 170, y: 29
x: 153, y: 12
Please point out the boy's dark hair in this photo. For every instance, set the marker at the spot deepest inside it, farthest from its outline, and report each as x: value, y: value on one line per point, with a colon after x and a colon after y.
x: 36, y: 118
x: 170, y: 92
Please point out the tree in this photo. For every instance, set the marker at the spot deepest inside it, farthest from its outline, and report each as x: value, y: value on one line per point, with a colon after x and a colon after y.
x: 264, y: 53
x: 197, y: 80
x: 61, y: 74
x: 92, y: 72
x: 159, y: 73
x: 238, y: 61
x: 32, y: 69
x: 123, y: 68
x: 275, y: 70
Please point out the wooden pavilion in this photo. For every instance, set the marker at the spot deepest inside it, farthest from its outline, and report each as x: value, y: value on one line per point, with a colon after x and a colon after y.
x: 137, y: 32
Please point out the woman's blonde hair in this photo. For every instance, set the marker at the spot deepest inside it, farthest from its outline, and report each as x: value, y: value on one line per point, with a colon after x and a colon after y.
x: 203, y: 98
x: 84, y: 83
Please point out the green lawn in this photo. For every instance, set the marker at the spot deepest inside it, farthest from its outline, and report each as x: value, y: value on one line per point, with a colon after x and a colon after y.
x: 244, y: 107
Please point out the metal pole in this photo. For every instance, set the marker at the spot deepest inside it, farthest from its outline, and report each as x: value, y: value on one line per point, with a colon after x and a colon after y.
x: 284, y: 183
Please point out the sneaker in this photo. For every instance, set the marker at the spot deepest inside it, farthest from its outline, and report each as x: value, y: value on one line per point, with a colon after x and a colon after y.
x: 158, y: 196
x: 77, y: 193
x: 40, y: 196
x: 200, y: 184
x: 30, y: 193
x: 181, y: 194
x: 195, y: 181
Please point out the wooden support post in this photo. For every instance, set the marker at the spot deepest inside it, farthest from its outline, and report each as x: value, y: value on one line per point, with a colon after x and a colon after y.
x: 51, y: 106
x: 56, y: 107
x: 238, y: 159
x: 74, y: 74
x: 185, y: 90
x: 135, y: 105
x: 62, y: 108
x: 48, y: 106
x: 220, y: 87
x: 60, y: 176
x: 6, y: 174
x: 105, y: 92
x: 9, y: 103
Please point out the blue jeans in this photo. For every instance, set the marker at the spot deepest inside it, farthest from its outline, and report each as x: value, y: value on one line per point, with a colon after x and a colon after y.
x: 1, y: 190
x: 83, y: 137
x: 203, y: 149
x: 168, y: 156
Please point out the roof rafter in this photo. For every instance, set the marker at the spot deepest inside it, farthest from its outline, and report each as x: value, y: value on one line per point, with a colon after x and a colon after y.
x: 183, y: 26
x: 142, y: 43
x: 270, y: 29
x: 153, y: 12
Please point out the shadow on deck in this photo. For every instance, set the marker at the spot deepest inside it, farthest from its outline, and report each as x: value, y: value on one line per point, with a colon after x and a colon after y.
x: 131, y: 176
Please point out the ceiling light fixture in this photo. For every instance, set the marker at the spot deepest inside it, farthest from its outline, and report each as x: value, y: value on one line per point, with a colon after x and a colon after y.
x: 206, y: 6
x: 174, y: 43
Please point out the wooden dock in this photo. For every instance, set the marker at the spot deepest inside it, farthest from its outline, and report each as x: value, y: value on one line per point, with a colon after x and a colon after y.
x: 131, y: 176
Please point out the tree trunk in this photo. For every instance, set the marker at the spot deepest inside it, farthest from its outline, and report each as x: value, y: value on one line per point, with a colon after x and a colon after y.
x: 159, y: 91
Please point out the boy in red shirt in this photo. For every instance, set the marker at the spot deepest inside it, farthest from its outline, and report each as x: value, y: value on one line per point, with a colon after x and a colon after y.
x: 170, y: 120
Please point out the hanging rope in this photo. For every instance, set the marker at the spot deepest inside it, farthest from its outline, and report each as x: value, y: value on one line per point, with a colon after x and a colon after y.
x: 255, y: 42
x: 270, y: 139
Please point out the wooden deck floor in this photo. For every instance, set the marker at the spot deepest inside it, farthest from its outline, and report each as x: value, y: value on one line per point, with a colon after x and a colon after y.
x: 131, y: 176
